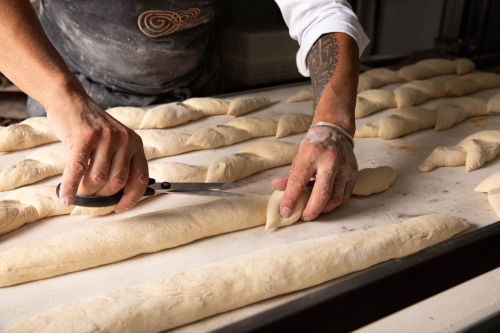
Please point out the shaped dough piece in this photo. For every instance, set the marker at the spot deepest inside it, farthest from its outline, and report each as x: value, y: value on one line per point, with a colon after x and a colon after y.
x: 366, y: 82
x: 494, y: 104
x: 374, y: 180
x: 401, y: 122
x: 439, y: 66
x: 473, y: 152
x: 415, y: 72
x: 43, y: 163
x: 274, y: 218
x: 417, y: 92
x: 494, y: 200
x: 489, y: 184
x: 118, y: 240
x: 237, y: 130
x: 303, y: 95
x: 128, y: 116
x: 208, y: 106
x: 162, y: 143
x: 457, y: 110
x: 242, y: 105
x: 257, y: 157
x: 169, y: 115
x: 293, y: 123
x: 470, y: 83
x: 377, y: 77
x: 464, y: 66
x: 370, y: 101
x: 29, y: 133
x: 226, y: 285
x: 29, y: 204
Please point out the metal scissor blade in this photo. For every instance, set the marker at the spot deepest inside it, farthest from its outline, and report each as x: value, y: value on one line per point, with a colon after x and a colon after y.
x: 163, y: 187
x: 205, y: 192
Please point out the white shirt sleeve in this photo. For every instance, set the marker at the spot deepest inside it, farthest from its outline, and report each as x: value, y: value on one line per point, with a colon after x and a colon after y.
x: 307, y: 20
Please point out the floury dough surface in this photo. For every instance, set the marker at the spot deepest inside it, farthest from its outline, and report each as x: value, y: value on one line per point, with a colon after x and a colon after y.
x: 243, y: 280
x: 446, y: 190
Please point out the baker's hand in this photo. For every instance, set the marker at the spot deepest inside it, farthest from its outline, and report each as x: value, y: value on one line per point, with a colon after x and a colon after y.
x: 328, y: 156
x: 105, y: 156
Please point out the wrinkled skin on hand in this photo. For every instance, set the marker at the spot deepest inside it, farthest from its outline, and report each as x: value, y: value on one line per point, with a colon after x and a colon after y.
x: 328, y: 156
x: 105, y: 156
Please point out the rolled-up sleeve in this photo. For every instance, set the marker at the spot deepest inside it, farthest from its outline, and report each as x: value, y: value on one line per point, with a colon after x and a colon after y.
x: 307, y: 20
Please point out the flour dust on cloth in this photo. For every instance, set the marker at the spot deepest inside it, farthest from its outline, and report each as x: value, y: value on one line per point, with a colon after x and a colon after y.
x: 136, y: 53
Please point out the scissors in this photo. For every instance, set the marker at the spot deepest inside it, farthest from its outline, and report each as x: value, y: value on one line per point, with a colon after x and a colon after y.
x: 162, y: 187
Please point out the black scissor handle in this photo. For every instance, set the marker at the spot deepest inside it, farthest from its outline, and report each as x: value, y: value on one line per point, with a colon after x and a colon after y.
x: 97, y: 201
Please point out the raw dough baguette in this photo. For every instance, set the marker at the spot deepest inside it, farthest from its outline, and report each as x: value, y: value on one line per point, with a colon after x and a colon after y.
x: 370, y: 181
x: 417, y: 92
x: 470, y: 83
x: 222, y: 286
x: 128, y: 115
x: 29, y: 133
x: 303, y: 95
x: 237, y: 130
x: 401, y: 122
x: 242, y: 105
x: 118, y: 240
x: 370, y: 101
x: 254, y: 158
x: 43, y: 163
x: 494, y: 104
x: 457, y: 110
x: 433, y: 67
x: 377, y: 77
x: 29, y: 204
x: 491, y: 185
x: 293, y: 123
x: 473, y: 152
x: 162, y: 143
x: 169, y: 115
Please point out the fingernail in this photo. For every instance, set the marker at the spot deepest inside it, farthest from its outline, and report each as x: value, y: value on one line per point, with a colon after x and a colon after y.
x: 66, y: 200
x: 285, y: 212
x: 120, y: 210
x: 305, y: 219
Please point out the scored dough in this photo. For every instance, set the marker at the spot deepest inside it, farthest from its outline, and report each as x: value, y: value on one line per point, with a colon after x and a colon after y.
x: 370, y: 181
x: 29, y: 133
x: 233, y: 283
x: 118, y: 240
x: 208, y: 105
x: 370, y: 101
x: 169, y: 115
x: 473, y: 152
x: 242, y: 105
x: 457, y: 110
x: 43, y: 163
x: 128, y: 115
x: 293, y: 123
x: 417, y: 92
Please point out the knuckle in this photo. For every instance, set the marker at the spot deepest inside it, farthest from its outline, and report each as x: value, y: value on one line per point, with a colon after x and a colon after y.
x: 324, y: 194
x: 78, y: 168
x: 297, y: 182
x: 119, y: 180
x: 99, y: 178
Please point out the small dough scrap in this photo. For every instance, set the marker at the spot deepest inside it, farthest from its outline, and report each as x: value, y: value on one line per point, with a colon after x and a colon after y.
x: 257, y: 157
x: 128, y: 115
x: 374, y: 180
x: 43, y: 163
x: 29, y: 204
x: 494, y: 104
x: 237, y: 130
x: 489, y: 184
x: 303, y: 95
x: 464, y: 66
x: 370, y: 101
x: 401, y: 122
x: 114, y: 241
x: 169, y: 115
x: 293, y: 123
x: 473, y: 152
x: 242, y: 105
x: 162, y: 143
x: 457, y: 110
x: 415, y: 72
x: 29, y: 133
x: 208, y: 106
x: 205, y: 291
x: 274, y: 218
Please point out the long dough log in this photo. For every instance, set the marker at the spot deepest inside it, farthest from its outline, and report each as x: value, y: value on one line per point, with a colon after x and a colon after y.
x: 236, y: 282
x: 457, y: 110
x: 118, y: 240
x: 473, y: 152
x: 370, y: 181
x: 29, y: 133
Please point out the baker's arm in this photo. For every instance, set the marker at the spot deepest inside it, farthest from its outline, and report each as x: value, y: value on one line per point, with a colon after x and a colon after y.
x: 105, y: 156
x: 331, y: 41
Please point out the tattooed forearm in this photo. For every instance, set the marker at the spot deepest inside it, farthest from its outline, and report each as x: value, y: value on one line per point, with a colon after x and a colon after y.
x: 322, y: 61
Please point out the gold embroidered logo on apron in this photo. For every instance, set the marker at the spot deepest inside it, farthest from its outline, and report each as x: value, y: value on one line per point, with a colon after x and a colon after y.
x: 157, y: 23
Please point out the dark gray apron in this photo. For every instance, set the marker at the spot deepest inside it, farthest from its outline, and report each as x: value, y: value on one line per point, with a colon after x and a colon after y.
x: 136, y: 53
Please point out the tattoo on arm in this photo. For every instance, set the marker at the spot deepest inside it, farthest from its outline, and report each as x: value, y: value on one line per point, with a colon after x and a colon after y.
x: 322, y: 61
